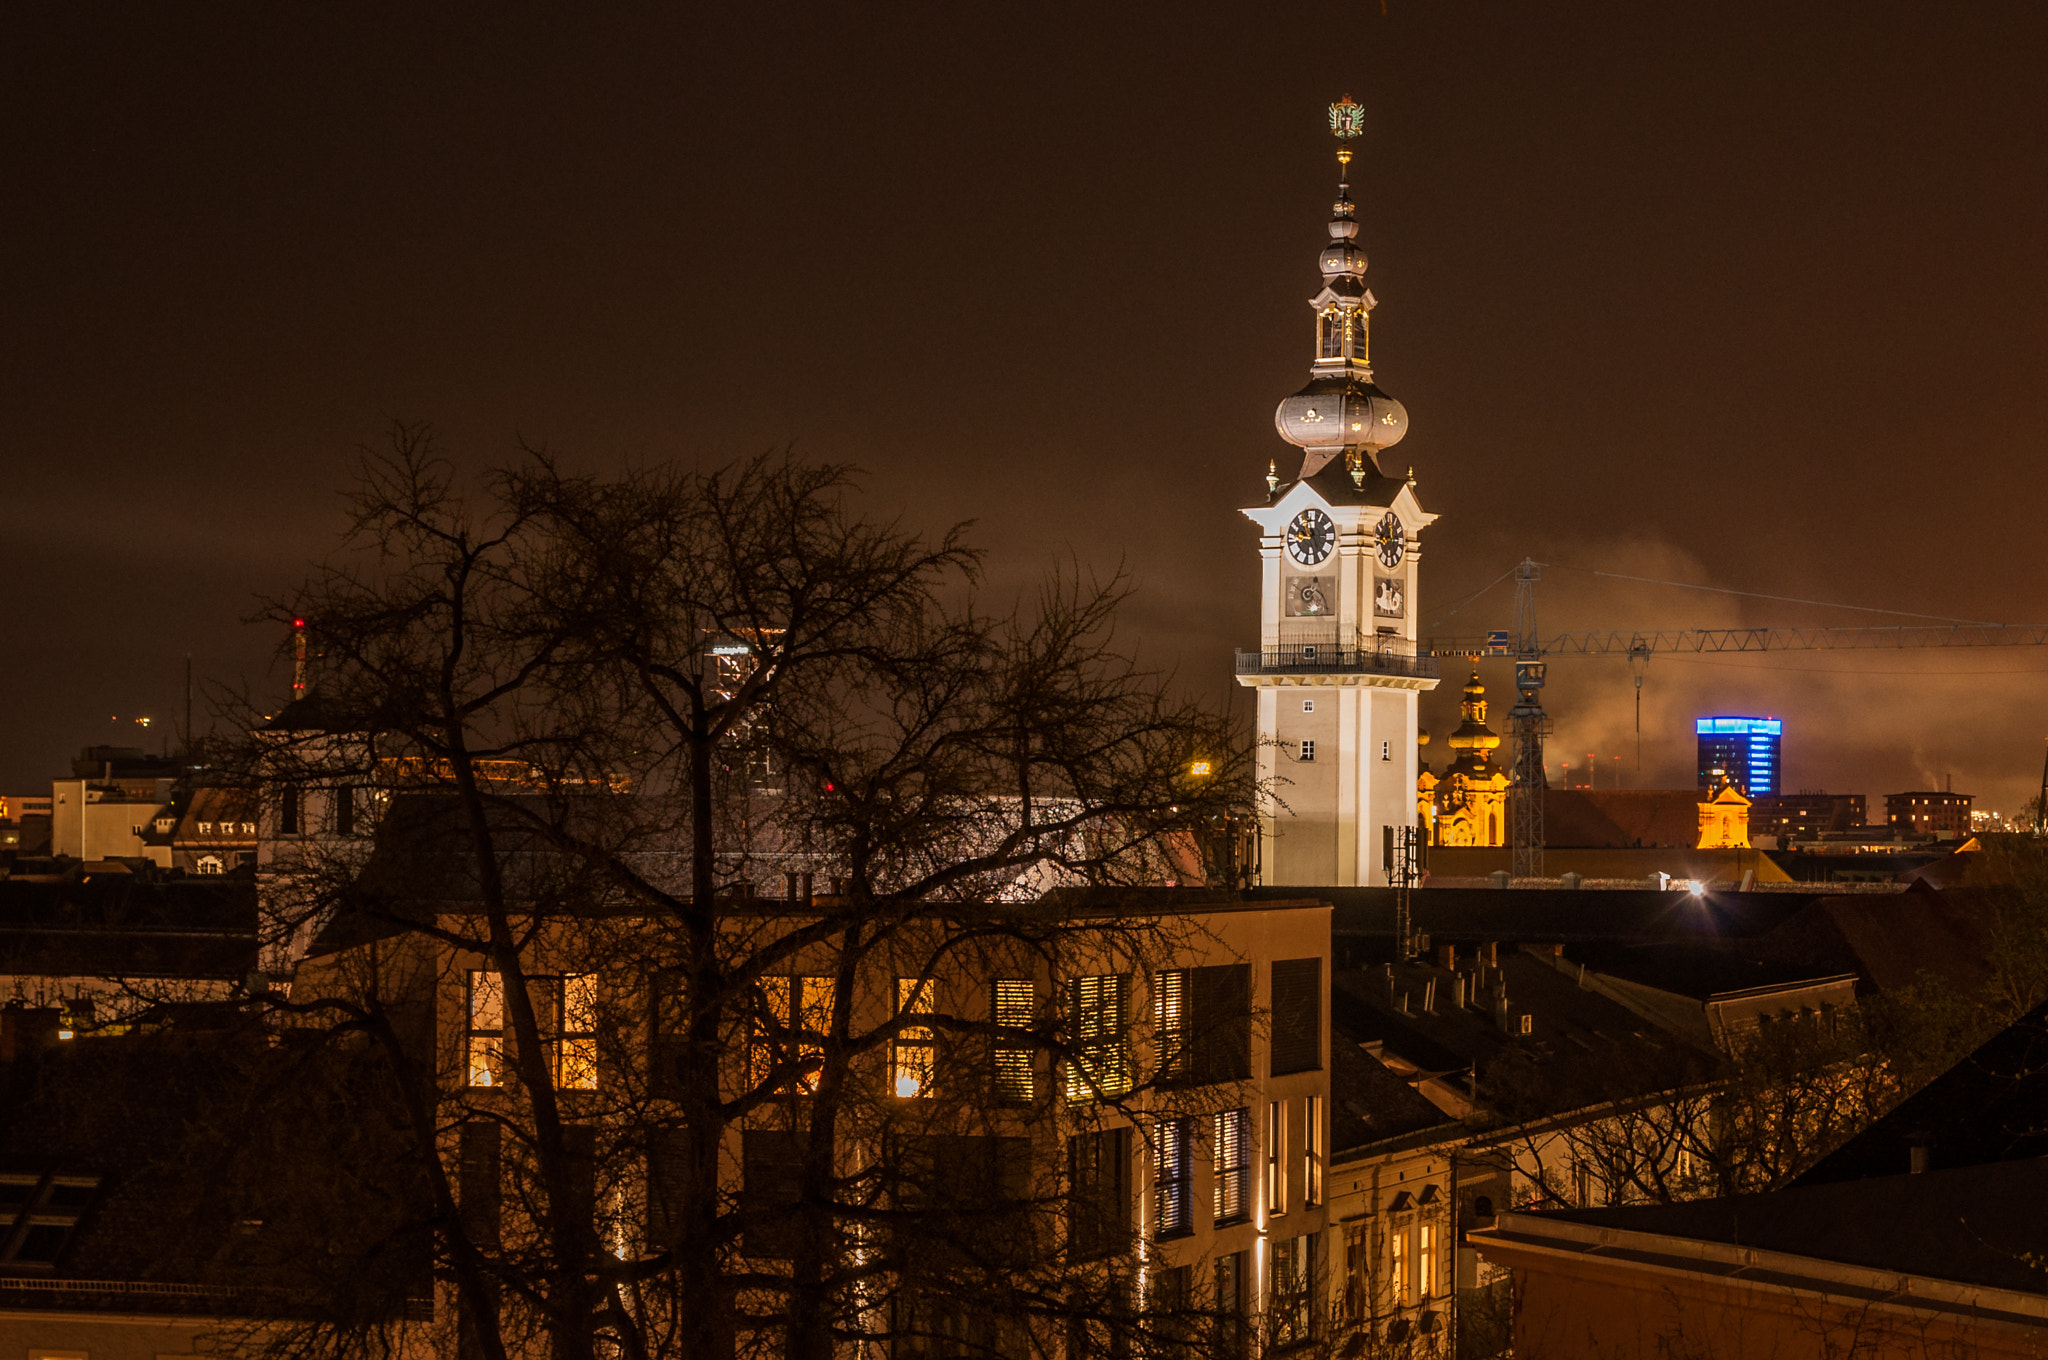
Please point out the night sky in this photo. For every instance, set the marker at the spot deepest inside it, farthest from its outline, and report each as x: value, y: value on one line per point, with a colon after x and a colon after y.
x: 1748, y: 295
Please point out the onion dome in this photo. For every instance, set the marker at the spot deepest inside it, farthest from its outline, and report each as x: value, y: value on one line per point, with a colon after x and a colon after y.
x: 1474, y: 741
x: 1341, y: 413
x: 1342, y: 408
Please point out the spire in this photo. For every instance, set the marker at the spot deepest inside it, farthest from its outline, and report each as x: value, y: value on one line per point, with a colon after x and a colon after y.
x: 1342, y: 410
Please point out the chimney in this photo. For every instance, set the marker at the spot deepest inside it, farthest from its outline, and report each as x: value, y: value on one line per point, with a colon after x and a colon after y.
x: 1429, y: 997
x: 1458, y: 991
x: 1493, y: 953
x: 1447, y: 956
x: 808, y: 889
x: 789, y: 885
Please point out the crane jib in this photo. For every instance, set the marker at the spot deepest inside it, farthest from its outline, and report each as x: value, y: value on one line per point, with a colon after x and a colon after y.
x: 1756, y: 640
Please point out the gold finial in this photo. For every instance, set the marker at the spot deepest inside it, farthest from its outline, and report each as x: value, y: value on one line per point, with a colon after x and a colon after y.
x: 1411, y: 474
x: 1272, y: 477
x: 1356, y: 462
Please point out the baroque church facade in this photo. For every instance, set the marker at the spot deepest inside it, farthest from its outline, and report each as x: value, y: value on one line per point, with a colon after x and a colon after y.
x: 1468, y: 803
x: 1338, y: 673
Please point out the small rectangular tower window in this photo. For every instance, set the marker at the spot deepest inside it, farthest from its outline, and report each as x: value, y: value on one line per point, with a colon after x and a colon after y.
x: 1308, y: 750
x: 1308, y: 705
x: 1386, y: 750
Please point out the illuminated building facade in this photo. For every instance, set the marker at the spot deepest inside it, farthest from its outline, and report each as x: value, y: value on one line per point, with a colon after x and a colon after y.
x: 1337, y: 671
x: 1929, y: 813
x: 1724, y: 818
x: 1469, y: 804
x: 1796, y: 816
x: 1745, y: 749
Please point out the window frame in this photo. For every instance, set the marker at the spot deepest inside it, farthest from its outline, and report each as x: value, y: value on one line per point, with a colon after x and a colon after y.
x: 1173, y: 1186
x: 483, y: 1051
x: 913, y: 1053
x: 575, y: 999
x: 1013, y: 1063
x: 1098, y: 1021
x: 1231, y: 1157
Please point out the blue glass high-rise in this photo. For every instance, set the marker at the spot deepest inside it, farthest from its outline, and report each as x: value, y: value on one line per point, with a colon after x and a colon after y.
x: 1746, y: 749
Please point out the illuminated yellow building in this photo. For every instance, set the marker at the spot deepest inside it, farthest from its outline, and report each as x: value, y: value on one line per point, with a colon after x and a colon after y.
x: 1724, y: 817
x: 1468, y: 805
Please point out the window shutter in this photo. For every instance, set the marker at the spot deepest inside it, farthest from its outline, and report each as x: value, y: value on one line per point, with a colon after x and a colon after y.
x: 1297, y: 1015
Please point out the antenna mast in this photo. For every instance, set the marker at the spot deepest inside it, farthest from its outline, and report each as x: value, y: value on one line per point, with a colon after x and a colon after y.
x: 1529, y: 725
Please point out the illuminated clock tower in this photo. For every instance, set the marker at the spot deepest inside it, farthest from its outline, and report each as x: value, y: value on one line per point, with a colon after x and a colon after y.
x: 1338, y: 673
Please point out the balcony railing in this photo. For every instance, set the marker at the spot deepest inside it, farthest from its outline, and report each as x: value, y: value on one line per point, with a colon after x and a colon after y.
x: 1365, y: 656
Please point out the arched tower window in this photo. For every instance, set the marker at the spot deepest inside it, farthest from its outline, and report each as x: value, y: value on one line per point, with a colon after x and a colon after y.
x: 1333, y: 335
x: 1493, y: 828
x: 1359, y: 335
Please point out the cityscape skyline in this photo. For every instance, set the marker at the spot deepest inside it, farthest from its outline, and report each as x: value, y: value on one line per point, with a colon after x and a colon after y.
x: 327, y: 239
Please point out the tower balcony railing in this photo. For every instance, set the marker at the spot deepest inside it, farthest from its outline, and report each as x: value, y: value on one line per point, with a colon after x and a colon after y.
x: 1358, y: 655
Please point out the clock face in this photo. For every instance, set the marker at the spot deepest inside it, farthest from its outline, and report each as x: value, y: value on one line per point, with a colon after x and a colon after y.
x: 1310, y: 537
x: 1391, y: 539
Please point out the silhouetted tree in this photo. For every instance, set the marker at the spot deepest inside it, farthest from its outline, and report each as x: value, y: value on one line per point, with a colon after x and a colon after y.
x: 679, y: 768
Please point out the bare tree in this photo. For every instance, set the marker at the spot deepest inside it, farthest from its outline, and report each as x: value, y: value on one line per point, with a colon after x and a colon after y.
x: 594, y: 724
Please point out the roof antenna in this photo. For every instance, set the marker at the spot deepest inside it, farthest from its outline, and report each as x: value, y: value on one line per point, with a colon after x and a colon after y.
x: 298, y: 658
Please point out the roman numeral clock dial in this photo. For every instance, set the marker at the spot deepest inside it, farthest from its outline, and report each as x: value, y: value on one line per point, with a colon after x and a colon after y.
x: 1310, y: 537
x: 1391, y: 540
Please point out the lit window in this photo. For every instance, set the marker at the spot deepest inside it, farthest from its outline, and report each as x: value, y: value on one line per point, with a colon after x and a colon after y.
x: 1425, y: 1260
x: 1312, y: 1151
x: 912, y: 1063
x: 1172, y: 1207
x: 576, y: 1054
x: 1397, y: 1275
x: 1276, y: 1161
x: 486, y: 1028
x: 1101, y: 1065
x: 1308, y: 750
x: 1016, y: 1003
x: 1170, y: 1023
x: 248, y: 828
x: 209, y: 864
x: 1233, y: 1164
x: 206, y: 828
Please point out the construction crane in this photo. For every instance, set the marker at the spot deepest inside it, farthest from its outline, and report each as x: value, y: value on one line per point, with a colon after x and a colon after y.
x: 1529, y: 724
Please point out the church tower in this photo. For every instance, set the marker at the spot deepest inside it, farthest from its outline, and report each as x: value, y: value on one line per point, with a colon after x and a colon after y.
x: 1338, y: 673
